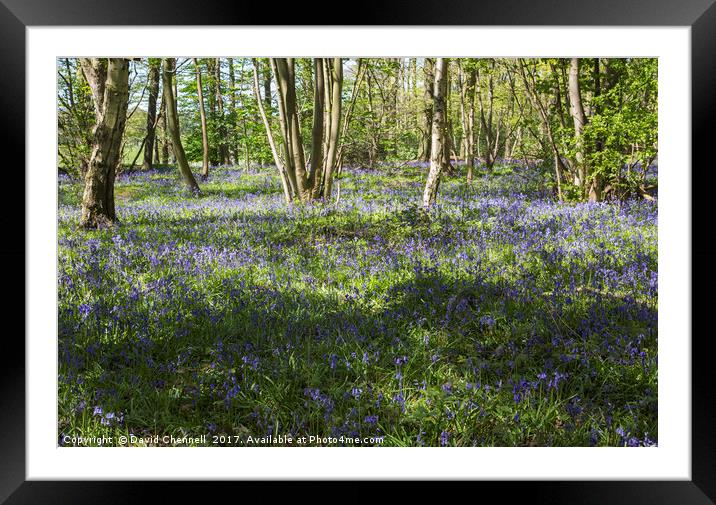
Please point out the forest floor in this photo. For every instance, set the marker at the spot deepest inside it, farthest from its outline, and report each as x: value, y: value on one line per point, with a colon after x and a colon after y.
x: 505, y: 319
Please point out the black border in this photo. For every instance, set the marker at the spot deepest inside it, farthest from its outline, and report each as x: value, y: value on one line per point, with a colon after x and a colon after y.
x: 700, y: 15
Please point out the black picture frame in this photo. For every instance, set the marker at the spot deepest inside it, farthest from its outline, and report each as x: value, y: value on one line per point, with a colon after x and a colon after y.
x: 700, y: 15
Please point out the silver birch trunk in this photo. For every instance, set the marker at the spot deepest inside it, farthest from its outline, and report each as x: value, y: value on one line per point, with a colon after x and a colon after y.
x: 438, y: 132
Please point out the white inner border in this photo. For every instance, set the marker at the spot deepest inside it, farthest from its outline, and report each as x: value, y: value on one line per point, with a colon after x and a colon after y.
x: 670, y: 460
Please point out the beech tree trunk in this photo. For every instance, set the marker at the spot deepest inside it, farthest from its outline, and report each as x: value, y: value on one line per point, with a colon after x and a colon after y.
x: 202, y: 115
x: 173, y: 126
x: 109, y: 81
x: 439, y: 133
x: 153, y: 86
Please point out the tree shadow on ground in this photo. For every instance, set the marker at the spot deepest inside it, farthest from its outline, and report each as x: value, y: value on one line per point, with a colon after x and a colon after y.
x: 271, y: 356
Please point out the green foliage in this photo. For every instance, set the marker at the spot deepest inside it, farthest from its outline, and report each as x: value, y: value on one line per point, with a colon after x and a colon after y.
x: 75, y: 117
x: 387, y: 123
x: 621, y: 136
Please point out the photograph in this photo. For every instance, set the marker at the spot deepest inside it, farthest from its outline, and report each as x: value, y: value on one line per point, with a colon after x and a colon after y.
x: 353, y: 251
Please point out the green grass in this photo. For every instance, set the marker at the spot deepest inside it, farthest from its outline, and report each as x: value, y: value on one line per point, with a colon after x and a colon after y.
x: 232, y: 315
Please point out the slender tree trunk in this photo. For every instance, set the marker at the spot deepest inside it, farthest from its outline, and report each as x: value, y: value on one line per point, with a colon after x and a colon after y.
x: 151, y: 113
x: 558, y: 77
x: 360, y: 74
x: 439, y: 133
x: 267, y: 87
x: 156, y: 147
x: 294, y: 124
x: 223, y: 140
x: 287, y: 190
x: 471, y: 126
x: 112, y: 78
x: 327, y: 95
x: 596, y: 189
x: 429, y: 82
x: 244, y: 130
x: 372, y: 128
x: 448, y: 144
x: 580, y: 120
x: 319, y: 91
x: 165, y: 131
x: 173, y: 125
x: 335, y: 115
x: 202, y: 115
x: 490, y: 132
x: 232, y: 113
x: 461, y: 84
x: 532, y: 93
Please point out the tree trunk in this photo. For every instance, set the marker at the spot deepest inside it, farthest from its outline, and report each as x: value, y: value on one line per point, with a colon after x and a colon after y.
x: 95, y: 72
x: 468, y: 116
x: 532, y: 93
x: 317, y: 131
x: 173, y: 125
x: 373, y: 129
x: 151, y: 113
x: 448, y: 143
x: 267, y: 87
x: 489, y: 130
x: 287, y: 191
x: 580, y: 119
x: 335, y: 116
x: 156, y: 144
x: 361, y: 72
x: 439, y: 133
x: 223, y: 138
x: 308, y: 186
x: 596, y: 189
x: 426, y: 130
x: 232, y: 113
x: 165, y: 132
x: 202, y: 115
x: 111, y: 114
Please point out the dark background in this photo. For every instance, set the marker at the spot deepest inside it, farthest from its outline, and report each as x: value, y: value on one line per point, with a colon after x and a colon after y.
x: 15, y: 15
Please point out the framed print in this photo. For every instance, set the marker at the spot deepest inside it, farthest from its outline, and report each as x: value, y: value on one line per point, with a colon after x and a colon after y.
x: 240, y: 299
